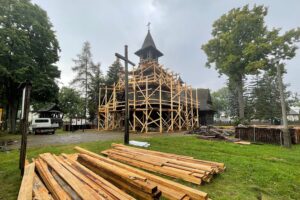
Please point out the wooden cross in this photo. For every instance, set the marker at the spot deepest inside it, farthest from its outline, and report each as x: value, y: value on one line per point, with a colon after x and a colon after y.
x: 148, y: 26
x: 125, y: 58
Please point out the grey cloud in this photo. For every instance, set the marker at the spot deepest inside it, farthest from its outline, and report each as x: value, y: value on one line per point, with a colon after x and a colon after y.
x: 178, y: 27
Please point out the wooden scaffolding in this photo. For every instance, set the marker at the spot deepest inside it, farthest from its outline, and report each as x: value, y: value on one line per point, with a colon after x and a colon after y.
x: 158, y: 102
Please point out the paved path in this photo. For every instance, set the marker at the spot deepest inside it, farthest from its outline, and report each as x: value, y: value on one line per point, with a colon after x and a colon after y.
x: 80, y: 137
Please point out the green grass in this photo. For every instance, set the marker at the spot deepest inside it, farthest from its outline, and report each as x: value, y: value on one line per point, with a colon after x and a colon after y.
x: 6, y: 136
x: 253, y: 171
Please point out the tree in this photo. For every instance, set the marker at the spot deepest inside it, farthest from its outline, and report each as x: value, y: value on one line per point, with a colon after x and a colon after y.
x: 93, y: 94
x: 221, y: 101
x: 84, y: 67
x: 295, y: 101
x: 265, y: 97
x: 238, y: 47
x: 113, y: 73
x: 71, y: 102
x: 28, y: 51
x: 283, y: 48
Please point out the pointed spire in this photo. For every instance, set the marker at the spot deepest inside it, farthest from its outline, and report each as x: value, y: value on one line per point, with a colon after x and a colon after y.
x: 149, y: 50
x: 148, y: 42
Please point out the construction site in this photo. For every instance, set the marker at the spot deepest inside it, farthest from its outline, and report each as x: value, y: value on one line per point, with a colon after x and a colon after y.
x: 159, y: 101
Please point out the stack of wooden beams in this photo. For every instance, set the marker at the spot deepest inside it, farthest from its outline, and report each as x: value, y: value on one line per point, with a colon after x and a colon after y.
x: 130, y: 182
x: 88, y: 175
x: 62, y: 178
x: 177, y: 166
x: 170, y: 189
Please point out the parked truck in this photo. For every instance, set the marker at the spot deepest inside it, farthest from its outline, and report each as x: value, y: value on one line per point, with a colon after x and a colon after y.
x: 43, y: 125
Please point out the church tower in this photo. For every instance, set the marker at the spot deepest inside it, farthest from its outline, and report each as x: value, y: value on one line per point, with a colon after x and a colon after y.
x: 148, y: 52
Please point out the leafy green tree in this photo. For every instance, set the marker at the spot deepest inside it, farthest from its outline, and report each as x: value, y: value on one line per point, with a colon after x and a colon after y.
x: 238, y: 47
x: 283, y: 48
x: 93, y: 94
x: 84, y: 67
x: 220, y: 99
x: 71, y: 103
x: 28, y: 51
x: 113, y: 73
x: 295, y: 101
x: 265, y: 97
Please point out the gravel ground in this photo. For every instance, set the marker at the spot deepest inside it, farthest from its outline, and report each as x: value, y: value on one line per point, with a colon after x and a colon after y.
x: 80, y: 137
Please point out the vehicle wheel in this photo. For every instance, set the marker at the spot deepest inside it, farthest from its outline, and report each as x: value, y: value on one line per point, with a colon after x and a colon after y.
x: 53, y: 132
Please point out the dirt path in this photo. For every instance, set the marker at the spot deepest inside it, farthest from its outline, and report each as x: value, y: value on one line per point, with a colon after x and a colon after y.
x: 80, y: 137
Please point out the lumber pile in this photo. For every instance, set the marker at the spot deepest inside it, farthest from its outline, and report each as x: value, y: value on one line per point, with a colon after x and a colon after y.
x: 130, y: 182
x: 170, y: 189
x: 88, y: 175
x: 266, y: 134
x: 177, y: 166
x: 63, y: 178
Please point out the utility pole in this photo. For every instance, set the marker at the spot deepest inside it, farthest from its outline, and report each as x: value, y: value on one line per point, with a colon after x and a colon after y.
x: 126, y: 122
x: 26, y: 89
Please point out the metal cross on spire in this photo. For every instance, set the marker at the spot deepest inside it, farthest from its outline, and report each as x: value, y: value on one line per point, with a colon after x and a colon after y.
x: 148, y: 26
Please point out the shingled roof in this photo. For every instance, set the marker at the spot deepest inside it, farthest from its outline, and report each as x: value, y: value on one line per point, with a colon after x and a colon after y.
x: 50, y: 108
x: 148, y: 44
x: 204, y: 99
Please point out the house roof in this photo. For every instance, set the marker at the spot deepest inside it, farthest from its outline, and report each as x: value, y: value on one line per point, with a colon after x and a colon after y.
x: 293, y: 112
x: 50, y: 108
x: 204, y: 99
x: 147, y: 45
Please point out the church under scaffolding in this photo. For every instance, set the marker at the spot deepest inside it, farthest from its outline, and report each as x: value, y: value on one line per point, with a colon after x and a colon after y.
x: 159, y: 101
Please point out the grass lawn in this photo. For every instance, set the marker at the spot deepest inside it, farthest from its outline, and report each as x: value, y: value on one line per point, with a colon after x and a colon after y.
x: 253, y: 171
x: 6, y: 136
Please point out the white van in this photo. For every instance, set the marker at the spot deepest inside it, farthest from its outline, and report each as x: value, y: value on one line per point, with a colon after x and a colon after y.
x: 43, y: 125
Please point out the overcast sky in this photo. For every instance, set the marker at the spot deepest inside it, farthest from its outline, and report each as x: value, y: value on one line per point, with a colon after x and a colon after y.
x: 178, y: 27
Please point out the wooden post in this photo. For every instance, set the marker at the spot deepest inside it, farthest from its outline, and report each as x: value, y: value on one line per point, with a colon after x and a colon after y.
x: 99, y: 104
x: 172, y: 113
x: 114, y: 107
x: 192, y: 108
x: 147, y: 107
x: 134, y: 104
x: 26, y: 88
x: 114, y: 97
x: 179, y: 106
x: 197, y: 107
x: 160, y: 108
x: 106, y: 109
x: 186, y: 108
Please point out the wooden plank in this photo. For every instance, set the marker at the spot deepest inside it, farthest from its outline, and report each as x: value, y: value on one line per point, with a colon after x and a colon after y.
x: 198, y: 166
x: 56, y: 190
x: 176, y: 173
x: 132, y: 184
x: 40, y: 192
x: 99, y: 180
x: 192, y: 193
x: 85, y: 179
x: 182, y: 167
x: 25, y: 192
x: 137, y: 180
x: 80, y: 188
x: 169, y: 155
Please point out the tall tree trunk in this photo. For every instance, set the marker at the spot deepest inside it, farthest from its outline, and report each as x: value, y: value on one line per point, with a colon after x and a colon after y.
x: 240, y: 92
x: 12, y: 106
x: 12, y: 114
x: 285, y: 129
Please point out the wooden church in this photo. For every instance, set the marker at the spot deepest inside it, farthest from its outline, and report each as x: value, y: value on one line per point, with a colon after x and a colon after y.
x: 159, y: 101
